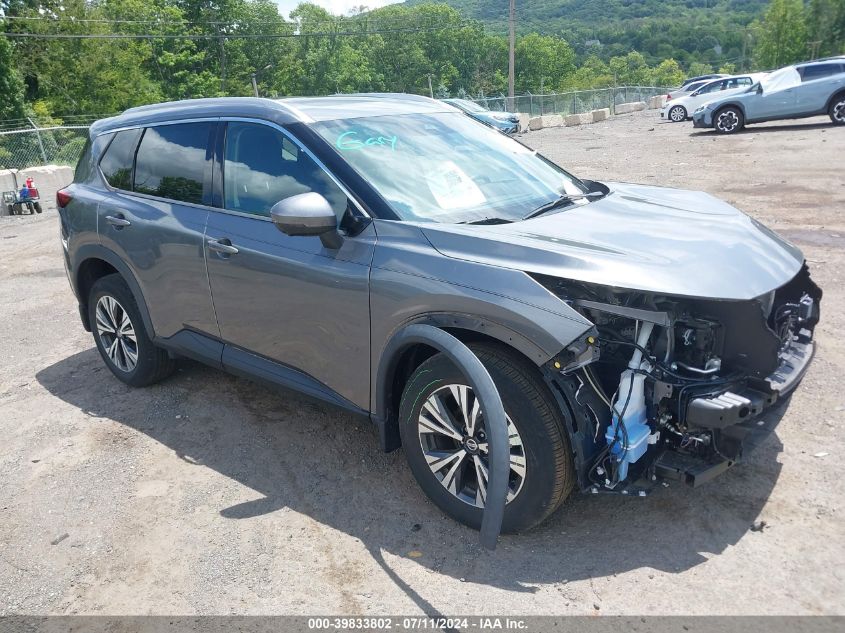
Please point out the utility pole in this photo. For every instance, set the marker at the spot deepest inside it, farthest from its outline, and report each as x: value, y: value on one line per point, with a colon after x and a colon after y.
x: 223, y: 65
x: 512, y: 45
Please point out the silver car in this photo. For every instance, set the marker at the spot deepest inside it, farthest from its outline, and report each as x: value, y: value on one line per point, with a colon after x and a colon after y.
x: 794, y: 92
x: 521, y: 333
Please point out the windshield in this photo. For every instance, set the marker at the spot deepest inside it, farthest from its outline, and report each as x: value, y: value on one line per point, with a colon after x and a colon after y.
x: 446, y: 167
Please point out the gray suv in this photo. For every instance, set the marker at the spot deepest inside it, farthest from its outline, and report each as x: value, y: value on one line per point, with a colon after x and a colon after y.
x: 349, y: 247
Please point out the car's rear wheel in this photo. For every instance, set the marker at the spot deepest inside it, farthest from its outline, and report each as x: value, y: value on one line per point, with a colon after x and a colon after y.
x: 677, y: 114
x: 837, y: 110
x: 445, y: 441
x: 728, y: 120
x: 121, y: 337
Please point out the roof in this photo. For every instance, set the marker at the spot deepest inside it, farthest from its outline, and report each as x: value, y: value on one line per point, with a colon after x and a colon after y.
x: 281, y: 111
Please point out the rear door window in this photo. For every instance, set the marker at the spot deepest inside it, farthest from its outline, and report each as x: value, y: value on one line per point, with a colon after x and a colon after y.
x: 263, y: 166
x: 820, y: 71
x: 116, y: 163
x: 173, y: 162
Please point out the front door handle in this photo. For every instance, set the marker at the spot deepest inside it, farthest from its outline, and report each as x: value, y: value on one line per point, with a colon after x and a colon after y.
x: 223, y: 245
x: 118, y: 221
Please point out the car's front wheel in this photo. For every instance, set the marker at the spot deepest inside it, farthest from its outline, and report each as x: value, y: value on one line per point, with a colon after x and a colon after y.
x: 728, y: 120
x: 121, y: 337
x: 837, y: 110
x: 677, y: 114
x: 445, y: 440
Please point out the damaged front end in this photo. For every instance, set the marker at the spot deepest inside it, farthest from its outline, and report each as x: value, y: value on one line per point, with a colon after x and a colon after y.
x: 678, y: 387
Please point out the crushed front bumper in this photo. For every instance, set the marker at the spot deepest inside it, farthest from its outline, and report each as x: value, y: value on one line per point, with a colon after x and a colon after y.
x: 739, y: 420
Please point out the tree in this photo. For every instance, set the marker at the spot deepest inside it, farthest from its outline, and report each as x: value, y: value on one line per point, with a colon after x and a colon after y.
x: 11, y: 84
x: 826, y: 26
x: 781, y: 35
x: 542, y: 63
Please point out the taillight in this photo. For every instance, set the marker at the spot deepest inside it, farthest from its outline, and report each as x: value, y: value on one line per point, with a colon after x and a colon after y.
x: 63, y: 198
x: 668, y: 97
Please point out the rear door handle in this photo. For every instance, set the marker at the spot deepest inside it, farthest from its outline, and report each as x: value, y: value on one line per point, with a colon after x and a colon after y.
x: 117, y: 220
x: 223, y: 245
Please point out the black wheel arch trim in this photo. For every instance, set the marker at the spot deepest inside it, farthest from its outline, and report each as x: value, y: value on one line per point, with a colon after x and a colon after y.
x: 382, y: 392
x: 98, y: 251
x: 840, y: 94
x: 491, y: 402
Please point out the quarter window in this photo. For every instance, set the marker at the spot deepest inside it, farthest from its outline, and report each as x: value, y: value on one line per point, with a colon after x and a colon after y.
x: 116, y: 163
x: 172, y: 161
x: 263, y: 166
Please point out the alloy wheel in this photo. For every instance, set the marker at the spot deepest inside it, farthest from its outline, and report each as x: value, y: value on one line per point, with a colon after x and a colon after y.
x: 677, y: 114
x: 839, y: 112
x: 117, y: 333
x: 454, y: 443
x: 727, y: 121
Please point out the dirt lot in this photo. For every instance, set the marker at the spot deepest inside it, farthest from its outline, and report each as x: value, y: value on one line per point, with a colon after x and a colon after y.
x: 210, y: 494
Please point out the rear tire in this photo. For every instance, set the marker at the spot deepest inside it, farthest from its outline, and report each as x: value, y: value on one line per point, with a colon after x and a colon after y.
x: 38, y: 208
x: 728, y: 120
x: 542, y: 473
x: 677, y: 114
x: 836, y: 111
x: 121, y: 337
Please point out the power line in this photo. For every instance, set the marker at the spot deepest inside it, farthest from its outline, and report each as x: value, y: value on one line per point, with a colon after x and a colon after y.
x: 168, y: 21
x: 215, y: 36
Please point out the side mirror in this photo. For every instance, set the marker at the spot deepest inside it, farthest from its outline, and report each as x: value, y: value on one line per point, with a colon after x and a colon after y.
x: 759, y: 89
x: 307, y: 214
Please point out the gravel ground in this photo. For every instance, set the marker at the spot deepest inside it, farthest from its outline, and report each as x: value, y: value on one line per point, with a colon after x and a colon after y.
x: 209, y: 494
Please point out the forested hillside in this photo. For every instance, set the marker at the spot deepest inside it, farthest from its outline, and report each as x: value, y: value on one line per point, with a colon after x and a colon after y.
x: 63, y: 59
x: 710, y: 31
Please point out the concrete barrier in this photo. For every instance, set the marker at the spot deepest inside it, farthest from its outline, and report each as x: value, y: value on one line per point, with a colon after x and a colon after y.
x: 627, y: 108
x: 48, y: 179
x: 655, y: 103
x: 552, y: 120
x: 524, y: 119
x: 579, y: 119
x: 535, y: 123
x: 600, y: 115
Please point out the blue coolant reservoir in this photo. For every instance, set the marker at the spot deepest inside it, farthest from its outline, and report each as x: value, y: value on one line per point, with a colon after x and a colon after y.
x: 631, y: 444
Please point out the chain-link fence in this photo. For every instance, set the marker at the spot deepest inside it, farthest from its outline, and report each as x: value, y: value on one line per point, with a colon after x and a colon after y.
x: 574, y: 102
x: 56, y: 145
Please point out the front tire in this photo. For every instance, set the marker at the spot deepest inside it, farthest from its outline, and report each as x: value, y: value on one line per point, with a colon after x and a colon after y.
x: 442, y: 430
x: 677, y: 114
x: 728, y: 120
x: 38, y: 208
x: 836, y: 111
x: 121, y: 337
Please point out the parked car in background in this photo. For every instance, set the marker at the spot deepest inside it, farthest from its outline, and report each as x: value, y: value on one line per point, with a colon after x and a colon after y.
x: 691, y: 85
x: 794, y: 92
x: 331, y: 245
x: 681, y: 109
x: 507, y: 122
x: 700, y: 78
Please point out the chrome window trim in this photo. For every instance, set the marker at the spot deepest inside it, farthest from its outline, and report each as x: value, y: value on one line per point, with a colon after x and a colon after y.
x: 358, y: 206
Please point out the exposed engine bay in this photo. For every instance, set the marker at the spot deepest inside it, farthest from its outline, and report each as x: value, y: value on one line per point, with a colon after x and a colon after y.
x: 676, y: 387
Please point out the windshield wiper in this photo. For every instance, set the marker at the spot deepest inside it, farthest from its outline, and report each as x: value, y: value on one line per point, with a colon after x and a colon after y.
x: 567, y: 197
x: 489, y: 221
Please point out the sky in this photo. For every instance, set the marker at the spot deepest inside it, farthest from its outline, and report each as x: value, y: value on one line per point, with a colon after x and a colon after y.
x: 339, y: 7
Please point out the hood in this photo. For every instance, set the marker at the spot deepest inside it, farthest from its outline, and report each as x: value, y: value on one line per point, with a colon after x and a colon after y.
x: 667, y: 241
